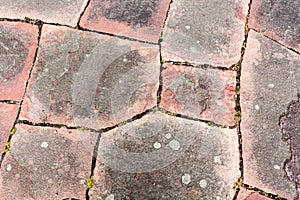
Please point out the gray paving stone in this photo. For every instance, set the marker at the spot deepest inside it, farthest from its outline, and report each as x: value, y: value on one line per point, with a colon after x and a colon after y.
x: 163, y: 157
x: 269, y: 82
x: 87, y: 79
x: 59, y: 11
x: 205, y: 32
x: 47, y: 163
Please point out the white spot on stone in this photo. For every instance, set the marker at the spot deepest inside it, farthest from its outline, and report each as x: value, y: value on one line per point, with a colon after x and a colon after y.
x: 218, y: 198
x: 55, y: 131
x: 168, y: 136
x: 8, y: 167
x: 271, y: 85
x: 187, y: 27
x: 198, y: 42
x: 157, y: 145
x: 186, y: 179
x: 174, y: 144
x: 82, y: 181
x: 203, y: 183
x: 5, y: 80
x: 276, y: 167
x: 87, y: 55
x: 44, y: 144
x: 124, y: 60
x: 256, y: 107
x: 110, y: 197
x: 217, y: 160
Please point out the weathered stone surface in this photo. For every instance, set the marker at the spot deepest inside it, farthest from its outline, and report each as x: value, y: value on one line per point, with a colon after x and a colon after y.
x: 86, y: 79
x: 18, y: 43
x: 59, y: 11
x: 8, y: 115
x: 205, y: 32
x: 250, y: 195
x: 278, y: 19
x: 46, y: 163
x: 207, y: 94
x: 164, y: 157
x: 270, y: 80
x: 137, y: 19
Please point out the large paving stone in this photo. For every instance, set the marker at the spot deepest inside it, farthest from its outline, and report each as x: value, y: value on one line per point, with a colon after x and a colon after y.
x: 205, y: 32
x: 270, y: 80
x: 207, y: 94
x: 86, y: 79
x: 164, y: 157
x: 59, y: 11
x: 278, y: 19
x: 8, y: 116
x: 250, y: 195
x: 18, y: 43
x: 137, y: 19
x: 46, y: 163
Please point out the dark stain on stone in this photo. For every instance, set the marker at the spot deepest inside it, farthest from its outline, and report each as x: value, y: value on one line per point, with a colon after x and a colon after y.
x: 12, y: 55
x: 282, y: 18
x: 133, y: 12
x: 290, y: 126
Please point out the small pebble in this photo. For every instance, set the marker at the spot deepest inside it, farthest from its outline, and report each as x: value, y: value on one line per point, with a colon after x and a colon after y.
x: 187, y: 27
x: 217, y: 159
x: 256, y: 107
x: 168, y: 136
x: 157, y: 145
x: 186, y: 179
x: 110, y: 197
x: 271, y: 85
x: 44, y: 144
x: 276, y: 167
x: 203, y: 183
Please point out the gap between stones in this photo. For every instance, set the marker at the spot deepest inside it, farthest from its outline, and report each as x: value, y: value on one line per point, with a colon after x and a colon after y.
x: 10, y: 102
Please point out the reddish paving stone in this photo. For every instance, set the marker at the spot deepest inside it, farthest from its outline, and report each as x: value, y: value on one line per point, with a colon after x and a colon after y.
x: 59, y: 11
x: 250, y: 195
x: 205, y: 32
x: 46, y: 163
x: 137, y: 19
x: 277, y: 19
x: 164, y: 157
x: 207, y: 94
x: 18, y: 43
x: 86, y: 79
x: 270, y: 80
x: 8, y: 116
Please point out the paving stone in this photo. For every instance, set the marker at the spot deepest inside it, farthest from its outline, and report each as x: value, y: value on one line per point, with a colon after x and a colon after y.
x: 137, y: 19
x: 250, y: 195
x: 60, y: 11
x: 164, y: 157
x: 270, y: 80
x: 86, y: 79
x: 8, y: 116
x: 207, y: 94
x: 205, y: 32
x: 46, y: 163
x: 18, y: 43
x: 277, y: 19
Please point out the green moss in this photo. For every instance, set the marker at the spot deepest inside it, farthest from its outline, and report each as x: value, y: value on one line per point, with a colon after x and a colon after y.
x: 13, y: 131
x: 90, y: 182
x: 7, y: 147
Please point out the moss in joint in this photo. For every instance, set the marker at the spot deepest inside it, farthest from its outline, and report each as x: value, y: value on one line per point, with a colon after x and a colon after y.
x: 90, y: 182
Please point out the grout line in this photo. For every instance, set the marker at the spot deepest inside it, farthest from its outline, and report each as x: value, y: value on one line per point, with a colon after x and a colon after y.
x: 202, y: 66
x: 260, y: 191
x: 40, y: 25
x: 238, y: 115
x: 81, y: 14
x: 10, y: 102
x: 281, y: 44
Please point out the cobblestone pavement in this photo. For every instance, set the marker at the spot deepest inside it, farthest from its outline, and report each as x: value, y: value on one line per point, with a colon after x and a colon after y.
x: 157, y: 99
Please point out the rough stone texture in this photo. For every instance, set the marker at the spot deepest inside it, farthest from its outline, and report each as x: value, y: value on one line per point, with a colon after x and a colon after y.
x: 18, y: 43
x: 290, y: 124
x: 86, y: 79
x: 46, y: 163
x: 278, y: 19
x: 207, y: 94
x: 8, y: 115
x: 59, y: 11
x: 250, y: 195
x: 164, y: 157
x: 270, y: 80
x: 137, y: 19
x: 205, y: 32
